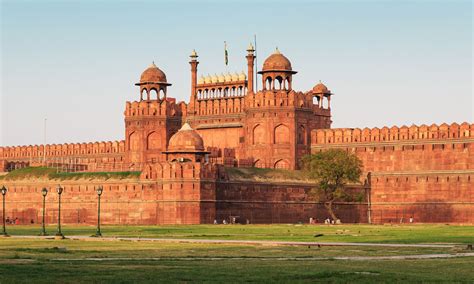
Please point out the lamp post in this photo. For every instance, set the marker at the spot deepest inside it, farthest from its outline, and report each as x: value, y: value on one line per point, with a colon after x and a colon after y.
x: 99, y: 190
x: 4, y: 192
x: 44, y: 192
x: 59, y: 234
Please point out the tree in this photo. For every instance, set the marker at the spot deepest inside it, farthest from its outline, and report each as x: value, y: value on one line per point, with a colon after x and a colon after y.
x: 332, y: 169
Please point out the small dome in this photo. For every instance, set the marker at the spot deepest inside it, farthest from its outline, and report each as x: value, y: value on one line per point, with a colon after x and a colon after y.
x: 214, y: 78
x: 228, y: 77
x: 207, y: 79
x: 221, y: 78
x: 320, y: 88
x: 277, y: 62
x: 201, y: 80
x: 186, y: 140
x: 153, y: 74
x: 242, y: 76
x: 235, y: 77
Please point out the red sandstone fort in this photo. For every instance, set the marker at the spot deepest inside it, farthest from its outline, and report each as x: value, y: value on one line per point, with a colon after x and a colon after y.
x: 183, y: 150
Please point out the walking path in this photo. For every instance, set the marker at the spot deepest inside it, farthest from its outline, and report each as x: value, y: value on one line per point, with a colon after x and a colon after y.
x: 244, y: 242
x: 392, y: 257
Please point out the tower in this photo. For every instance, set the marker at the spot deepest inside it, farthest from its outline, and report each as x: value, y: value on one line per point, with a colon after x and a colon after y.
x: 194, y: 63
x: 151, y: 121
x: 250, y: 65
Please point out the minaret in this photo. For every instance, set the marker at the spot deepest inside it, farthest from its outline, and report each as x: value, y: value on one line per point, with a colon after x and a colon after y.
x: 194, y: 63
x: 250, y: 64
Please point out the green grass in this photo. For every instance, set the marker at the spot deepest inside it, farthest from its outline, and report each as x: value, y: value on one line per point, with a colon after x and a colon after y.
x: 269, y: 175
x: 408, y: 234
x: 50, y: 173
x: 65, y: 261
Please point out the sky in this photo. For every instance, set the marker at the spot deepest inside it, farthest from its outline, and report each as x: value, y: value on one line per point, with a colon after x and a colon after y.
x: 74, y: 63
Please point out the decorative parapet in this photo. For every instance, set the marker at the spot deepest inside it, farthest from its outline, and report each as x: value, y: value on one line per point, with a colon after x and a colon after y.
x: 61, y: 150
x: 385, y: 134
x: 168, y: 107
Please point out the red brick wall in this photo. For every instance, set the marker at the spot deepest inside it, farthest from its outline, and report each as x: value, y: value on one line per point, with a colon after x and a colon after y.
x: 421, y: 172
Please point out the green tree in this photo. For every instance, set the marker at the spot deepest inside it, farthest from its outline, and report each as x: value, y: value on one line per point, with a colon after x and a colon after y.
x: 332, y: 169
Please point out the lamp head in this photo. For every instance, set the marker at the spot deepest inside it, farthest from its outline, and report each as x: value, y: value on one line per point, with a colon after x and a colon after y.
x: 59, y: 189
x: 4, y: 190
x: 44, y: 191
x: 99, y: 190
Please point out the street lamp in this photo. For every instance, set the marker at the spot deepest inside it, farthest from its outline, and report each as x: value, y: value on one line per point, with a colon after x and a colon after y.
x: 59, y: 234
x: 99, y: 190
x: 4, y: 192
x: 44, y: 192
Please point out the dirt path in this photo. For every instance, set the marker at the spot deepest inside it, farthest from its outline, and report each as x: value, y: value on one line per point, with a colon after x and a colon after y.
x: 245, y: 242
x: 352, y: 258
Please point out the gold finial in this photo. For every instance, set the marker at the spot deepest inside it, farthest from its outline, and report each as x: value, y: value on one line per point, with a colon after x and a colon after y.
x: 193, y: 54
x: 277, y: 51
x: 153, y: 64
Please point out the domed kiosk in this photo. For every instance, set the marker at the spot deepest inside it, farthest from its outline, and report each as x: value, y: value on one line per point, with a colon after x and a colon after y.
x: 186, y: 145
x: 320, y: 92
x: 321, y: 89
x: 153, y: 83
x: 277, y: 72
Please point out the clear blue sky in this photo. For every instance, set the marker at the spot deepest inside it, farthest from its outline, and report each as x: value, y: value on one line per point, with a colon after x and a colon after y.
x: 75, y: 62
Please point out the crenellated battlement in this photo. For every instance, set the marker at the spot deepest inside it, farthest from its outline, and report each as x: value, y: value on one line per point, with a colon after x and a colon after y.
x: 394, y: 133
x: 167, y: 107
x: 62, y: 150
x: 180, y: 171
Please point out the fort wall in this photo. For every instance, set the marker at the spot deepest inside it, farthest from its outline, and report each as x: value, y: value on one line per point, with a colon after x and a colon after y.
x: 421, y: 172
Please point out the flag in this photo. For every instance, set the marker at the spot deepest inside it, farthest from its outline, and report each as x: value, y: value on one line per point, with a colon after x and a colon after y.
x: 226, y: 55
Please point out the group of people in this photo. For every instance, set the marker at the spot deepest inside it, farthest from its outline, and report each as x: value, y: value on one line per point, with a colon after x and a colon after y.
x: 327, y: 221
x: 12, y: 221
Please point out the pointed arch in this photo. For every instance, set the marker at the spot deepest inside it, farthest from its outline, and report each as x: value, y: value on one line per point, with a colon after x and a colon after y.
x: 153, y: 141
x: 282, y: 164
x: 153, y: 94
x: 281, y: 134
x: 258, y: 134
x: 133, y: 141
x: 258, y: 164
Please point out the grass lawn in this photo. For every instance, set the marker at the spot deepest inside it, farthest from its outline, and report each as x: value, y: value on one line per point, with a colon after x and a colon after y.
x: 69, y: 261
x: 408, y: 234
x: 104, y: 261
